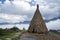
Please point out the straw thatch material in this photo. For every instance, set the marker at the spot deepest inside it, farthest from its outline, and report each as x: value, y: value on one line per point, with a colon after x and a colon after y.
x: 37, y: 24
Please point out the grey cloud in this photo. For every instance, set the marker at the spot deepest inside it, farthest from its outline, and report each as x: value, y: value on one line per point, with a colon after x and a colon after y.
x: 53, y: 1
x: 52, y: 10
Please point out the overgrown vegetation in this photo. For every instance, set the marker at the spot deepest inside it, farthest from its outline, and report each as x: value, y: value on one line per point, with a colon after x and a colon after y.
x: 7, y: 33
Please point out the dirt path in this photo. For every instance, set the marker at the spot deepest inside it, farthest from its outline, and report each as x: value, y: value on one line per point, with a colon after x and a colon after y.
x: 49, y: 36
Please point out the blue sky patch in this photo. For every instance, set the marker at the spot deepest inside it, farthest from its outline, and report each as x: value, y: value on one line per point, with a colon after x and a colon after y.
x: 2, y: 1
x: 32, y: 3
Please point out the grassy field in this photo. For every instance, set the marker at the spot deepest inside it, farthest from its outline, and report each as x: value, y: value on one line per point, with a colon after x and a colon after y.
x: 8, y: 35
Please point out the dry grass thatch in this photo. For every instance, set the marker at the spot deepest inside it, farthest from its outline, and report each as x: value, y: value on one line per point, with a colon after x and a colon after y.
x: 37, y: 24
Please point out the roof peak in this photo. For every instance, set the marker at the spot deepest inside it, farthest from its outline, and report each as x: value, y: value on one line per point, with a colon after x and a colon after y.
x: 37, y: 6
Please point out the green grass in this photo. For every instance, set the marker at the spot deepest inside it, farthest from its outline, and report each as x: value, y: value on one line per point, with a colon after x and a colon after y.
x: 9, y: 35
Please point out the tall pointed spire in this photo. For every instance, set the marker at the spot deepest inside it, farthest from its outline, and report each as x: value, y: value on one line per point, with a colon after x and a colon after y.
x: 37, y: 24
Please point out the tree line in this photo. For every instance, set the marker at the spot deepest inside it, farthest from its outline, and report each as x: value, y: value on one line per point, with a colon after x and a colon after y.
x: 8, y: 31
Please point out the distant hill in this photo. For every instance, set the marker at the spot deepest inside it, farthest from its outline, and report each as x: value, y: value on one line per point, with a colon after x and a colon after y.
x: 55, y: 31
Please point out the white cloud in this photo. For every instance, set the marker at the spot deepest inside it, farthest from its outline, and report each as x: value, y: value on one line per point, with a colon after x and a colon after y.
x: 39, y: 1
x: 23, y: 0
x: 20, y: 26
x: 13, y: 18
x: 22, y: 4
x: 53, y: 24
x: 50, y: 12
x: 19, y: 8
x: 27, y: 0
x: 6, y: 26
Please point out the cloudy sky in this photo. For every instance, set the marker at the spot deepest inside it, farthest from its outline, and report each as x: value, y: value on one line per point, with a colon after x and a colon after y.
x: 20, y: 12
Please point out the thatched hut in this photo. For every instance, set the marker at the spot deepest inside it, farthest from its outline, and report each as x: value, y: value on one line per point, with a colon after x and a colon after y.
x: 37, y: 24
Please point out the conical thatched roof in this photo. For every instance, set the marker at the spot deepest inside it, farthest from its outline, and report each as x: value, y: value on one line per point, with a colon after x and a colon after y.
x: 37, y: 24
